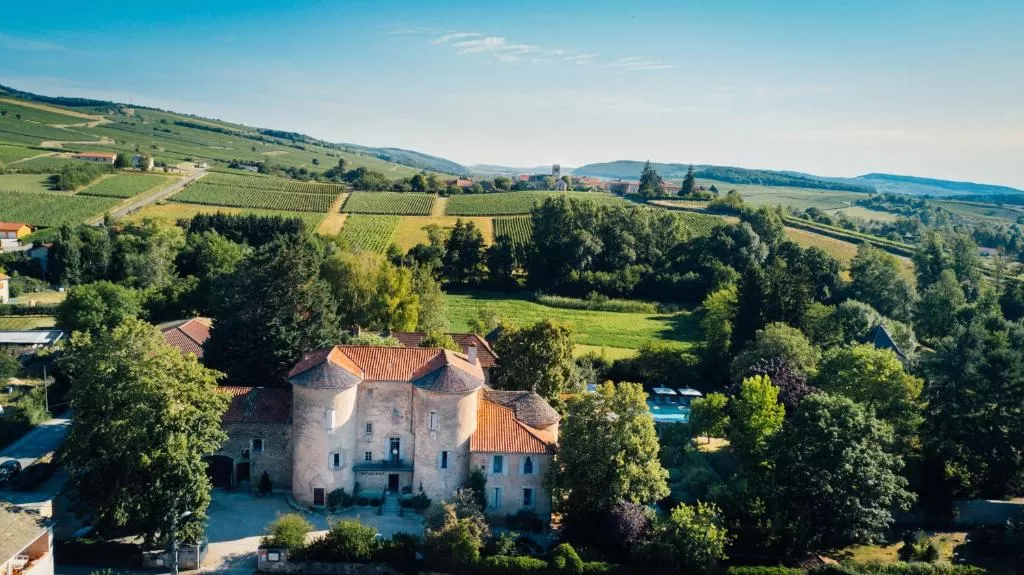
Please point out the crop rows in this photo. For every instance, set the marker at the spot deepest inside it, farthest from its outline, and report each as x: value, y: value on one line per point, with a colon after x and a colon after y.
x: 50, y: 210
x: 10, y: 154
x: 368, y: 232
x: 518, y: 229
x: 124, y: 186
x: 699, y: 224
x: 389, y: 203
x: 510, y: 203
x: 215, y: 195
x: 273, y: 184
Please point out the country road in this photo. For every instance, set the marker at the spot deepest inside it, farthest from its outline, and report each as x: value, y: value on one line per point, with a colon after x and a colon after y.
x: 144, y: 201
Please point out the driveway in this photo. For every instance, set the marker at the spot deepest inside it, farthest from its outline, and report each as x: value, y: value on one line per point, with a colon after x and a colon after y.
x: 39, y: 441
x: 237, y: 521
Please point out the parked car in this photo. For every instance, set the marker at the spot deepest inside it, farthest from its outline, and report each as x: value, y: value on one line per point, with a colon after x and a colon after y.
x: 9, y: 470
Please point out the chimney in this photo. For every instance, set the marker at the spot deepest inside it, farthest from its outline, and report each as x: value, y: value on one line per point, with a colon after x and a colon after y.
x: 471, y: 352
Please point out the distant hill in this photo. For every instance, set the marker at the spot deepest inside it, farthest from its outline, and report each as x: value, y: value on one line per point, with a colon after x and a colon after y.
x: 412, y: 159
x: 891, y: 183
x: 496, y: 170
x: 630, y: 170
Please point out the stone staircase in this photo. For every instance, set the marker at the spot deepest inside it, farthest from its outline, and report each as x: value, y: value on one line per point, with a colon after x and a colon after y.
x: 390, y: 504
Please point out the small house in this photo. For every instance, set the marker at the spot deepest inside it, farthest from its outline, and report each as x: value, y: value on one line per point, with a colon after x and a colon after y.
x: 98, y: 157
x: 5, y: 288
x: 14, y: 230
x: 26, y: 541
x: 561, y: 186
x: 461, y: 183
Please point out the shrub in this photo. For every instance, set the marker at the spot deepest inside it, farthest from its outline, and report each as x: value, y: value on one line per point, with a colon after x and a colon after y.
x: 597, y: 302
x: 35, y: 474
x: 339, y: 498
x: 346, y: 542
x: 916, y: 568
x: 501, y: 544
x: 362, y: 502
x: 400, y: 552
x: 564, y: 560
x: 288, y: 531
x: 918, y: 547
x: 511, y: 565
x: 265, y: 486
x: 375, y: 501
x: 419, y: 502
x: 524, y: 520
x: 763, y: 570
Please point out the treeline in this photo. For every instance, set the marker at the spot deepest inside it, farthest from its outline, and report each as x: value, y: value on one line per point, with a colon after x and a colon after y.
x: 76, y: 175
x: 770, y: 178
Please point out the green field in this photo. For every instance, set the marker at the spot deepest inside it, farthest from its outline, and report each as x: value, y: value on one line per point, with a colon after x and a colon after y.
x: 21, y: 322
x: 389, y: 203
x: 976, y: 211
x: 35, y: 114
x: 266, y: 183
x: 25, y: 182
x: 216, y: 195
x: 43, y: 165
x: 51, y: 209
x: 10, y: 154
x: 518, y: 229
x: 27, y: 132
x: 594, y: 328
x: 511, y: 203
x: 699, y: 224
x: 172, y: 212
x: 368, y: 232
x: 799, y: 198
x: 125, y: 185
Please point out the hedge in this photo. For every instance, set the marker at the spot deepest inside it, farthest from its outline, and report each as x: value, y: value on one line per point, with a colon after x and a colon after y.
x: 917, y: 568
x: 511, y: 565
x: 21, y: 310
x: 763, y: 570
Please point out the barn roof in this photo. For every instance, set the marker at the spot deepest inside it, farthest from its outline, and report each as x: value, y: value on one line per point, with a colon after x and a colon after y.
x: 258, y: 405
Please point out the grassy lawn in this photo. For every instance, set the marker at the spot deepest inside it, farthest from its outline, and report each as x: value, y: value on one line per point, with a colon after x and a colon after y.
x: 800, y: 198
x: 843, y: 251
x: 594, y: 328
x: 24, y: 322
x: 866, y: 214
x: 412, y: 229
x: 611, y: 353
x: 25, y: 182
x: 40, y: 297
x: 945, y: 542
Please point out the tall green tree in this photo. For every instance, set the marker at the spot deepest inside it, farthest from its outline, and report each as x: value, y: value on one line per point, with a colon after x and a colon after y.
x: 537, y: 357
x: 709, y: 416
x: 780, y: 341
x: 608, y: 453
x: 463, y: 261
x: 835, y: 480
x: 689, y: 183
x: 692, y: 539
x: 273, y: 309
x: 650, y: 182
x: 64, y: 260
x: 717, y: 323
x: 97, y: 307
x: 145, y: 416
x: 757, y: 416
x: 876, y: 281
x: 936, y: 312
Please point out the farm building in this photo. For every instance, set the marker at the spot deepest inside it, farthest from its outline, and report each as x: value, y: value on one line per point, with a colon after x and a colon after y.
x: 14, y: 230
x: 188, y: 335
x: 30, y: 338
x: 561, y: 186
x: 623, y: 188
x: 461, y: 183
x: 99, y: 157
x: 5, y: 288
x: 26, y: 541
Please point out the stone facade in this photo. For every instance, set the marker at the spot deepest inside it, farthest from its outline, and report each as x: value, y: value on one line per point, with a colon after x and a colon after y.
x: 275, y: 457
x: 513, y: 481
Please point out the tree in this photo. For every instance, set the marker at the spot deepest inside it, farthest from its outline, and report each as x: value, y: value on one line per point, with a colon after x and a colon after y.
x: 650, y: 182
x: 792, y: 384
x: 719, y: 314
x: 487, y: 320
x: 778, y: 340
x: 455, y: 533
x: 64, y: 259
x: 708, y: 416
x: 145, y: 416
x: 835, y: 480
x: 463, y: 260
x: 936, y: 311
x: 440, y: 340
x: 876, y: 281
x: 145, y: 159
x: 433, y: 313
x: 273, y: 309
x: 122, y: 161
x: 689, y: 183
x: 608, y: 453
x: 692, y: 539
x: 876, y: 379
x: 502, y: 183
x: 372, y: 292
x: 766, y: 222
x: 418, y: 183
x: 9, y: 366
x: 97, y: 307
x: 538, y: 358
x: 757, y: 415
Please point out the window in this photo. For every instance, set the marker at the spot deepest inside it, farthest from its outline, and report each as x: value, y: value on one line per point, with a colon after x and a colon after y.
x: 336, y: 461
x: 498, y: 465
x: 256, y: 445
x: 369, y: 393
x: 527, y: 465
x: 369, y: 428
x: 368, y: 456
x: 496, y: 498
x: 394, y: 450
x: 444, y: 460
x: 432, y: 421
x: 329, y: 419
x: 396, y: 413
x: 527, y: 497
x: 318, y: 496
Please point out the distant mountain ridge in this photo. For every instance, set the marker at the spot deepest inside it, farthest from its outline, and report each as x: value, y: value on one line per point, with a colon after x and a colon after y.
x: 896, y: 184
x: 630, y: 170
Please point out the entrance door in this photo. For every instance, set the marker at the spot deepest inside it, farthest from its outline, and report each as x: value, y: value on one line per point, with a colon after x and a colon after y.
x: 318, y: 496
x: 242, y: 470
x: 219, y: 468
x: 393, y: 482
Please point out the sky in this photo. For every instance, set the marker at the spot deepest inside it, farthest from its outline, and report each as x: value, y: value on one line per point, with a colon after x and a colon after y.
x: 931, y: 88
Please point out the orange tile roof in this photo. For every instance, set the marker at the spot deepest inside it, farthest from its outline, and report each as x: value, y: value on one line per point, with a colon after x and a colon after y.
x: 376, y: 363
x: 11, y: 226
x: 484, y: 353
x: 499, y: 431
x: 187, y: 335
x: 258, y: 405
x: 96, y: 155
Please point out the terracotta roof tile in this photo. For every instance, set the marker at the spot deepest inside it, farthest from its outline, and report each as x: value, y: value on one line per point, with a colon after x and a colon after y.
x: 187, y: 335
x: 484, y: 353
x: 344, y: 366
x: 258, y: 405
x: 11, y: 226
x: 527, y: 406
x: 498, y: 431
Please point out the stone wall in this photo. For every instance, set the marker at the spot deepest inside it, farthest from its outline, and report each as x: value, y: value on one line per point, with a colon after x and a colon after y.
x: 316, y: 438
x: 512, y: 482
x: 276, y: 561
x: 456, y: 422
x: 276, y: 457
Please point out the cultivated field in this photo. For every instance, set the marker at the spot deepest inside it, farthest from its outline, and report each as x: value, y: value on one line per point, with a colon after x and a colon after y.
x: 595, y: 328
x: 265, y: 183
x: 243, y: 197
x: 865, y: 213
x: 412, y: 230
x: 43, y: 165
x: 51, y: 209
x: 172, y: 212
x: 125, y: 185
x: 799, y: 198
x: 511, y: 203
x: 388, y: 203
x: 517, y: 229
x: 39, y: 114
x: 10, y: 154
x: 369, y: 232
x: 699, y: 224
x: 26, y: 183
x: 29, y: 132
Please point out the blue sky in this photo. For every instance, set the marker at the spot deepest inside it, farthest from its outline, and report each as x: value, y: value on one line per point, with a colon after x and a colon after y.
x: 928, y: 88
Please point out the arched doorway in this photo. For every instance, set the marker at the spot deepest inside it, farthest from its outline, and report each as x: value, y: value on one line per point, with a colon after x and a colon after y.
x: 220, y: 469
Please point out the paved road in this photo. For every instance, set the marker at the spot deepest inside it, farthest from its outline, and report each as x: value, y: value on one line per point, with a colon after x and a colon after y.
x: 44, y: 438
x: 155, y: 197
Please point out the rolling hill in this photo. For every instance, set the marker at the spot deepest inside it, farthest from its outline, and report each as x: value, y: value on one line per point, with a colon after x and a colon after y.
x: 891, y: 183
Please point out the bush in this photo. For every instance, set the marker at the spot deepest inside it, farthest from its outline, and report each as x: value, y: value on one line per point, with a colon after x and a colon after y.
x: 339, y: 498
x: 511, y: 565
x: 564, y: 560
x: 400, y: 552
x: 346, y: 542
x: 918, y: 547
x: 362, y: 502
x: 288, y: 531
x: 35, y: 474
x: 265, y: 486
x: 501, y: 544
x: 524, y: 520
x: 419, y: 502
x: 597, y: 302
x: 762, y: 570
x: 851, y: 568
x: 22, y: 310
x: 375, y: 501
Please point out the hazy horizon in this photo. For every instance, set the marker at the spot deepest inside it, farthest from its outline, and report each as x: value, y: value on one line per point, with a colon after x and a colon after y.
x: 924, y: 89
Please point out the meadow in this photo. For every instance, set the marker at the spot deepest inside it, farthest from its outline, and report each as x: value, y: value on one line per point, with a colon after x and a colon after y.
x: 51, y: 209
x: 26, y: 322
x: 26, y: 183
x: 216, y: 195
x: 799, y: 198
x: 10, y: 154
x: 412, y: 230
x: 511, y: 203
x: 125, y: 185
x: 625, y: 331
x: 371, y: 233
x: 39, y: 113
x: 169, y: 213
x: 388, y: 203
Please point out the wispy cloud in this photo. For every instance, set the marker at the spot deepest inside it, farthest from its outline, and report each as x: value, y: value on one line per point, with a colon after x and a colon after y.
x: 454, y: 36
x: 638, y: 63
x: 27, y: 44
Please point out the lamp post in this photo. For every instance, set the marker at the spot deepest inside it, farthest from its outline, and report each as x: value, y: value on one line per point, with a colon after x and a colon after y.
x: 172, y: 545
